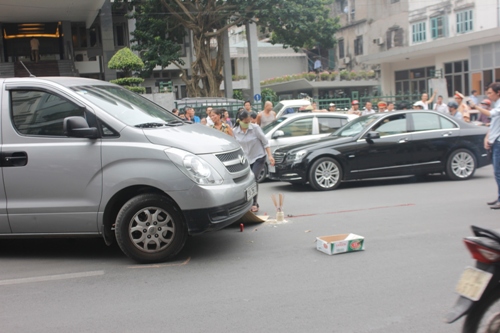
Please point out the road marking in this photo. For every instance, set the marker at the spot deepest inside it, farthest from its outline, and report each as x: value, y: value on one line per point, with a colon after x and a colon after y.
x: 50, y: 278
x: 162, y: 265
x: 351, y: 210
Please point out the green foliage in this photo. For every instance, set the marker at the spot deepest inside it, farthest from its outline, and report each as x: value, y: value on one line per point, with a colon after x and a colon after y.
x: 128, y: 81
x: 269, y: 95
x: 238, y: 94
x: 161, y: 26
x: 157, y: 37
x: 126, y: 61
x: 138, y: 90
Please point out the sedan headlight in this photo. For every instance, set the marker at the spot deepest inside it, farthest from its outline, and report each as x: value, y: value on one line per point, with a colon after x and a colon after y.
x: 297, y: 156
x: 194, y: 167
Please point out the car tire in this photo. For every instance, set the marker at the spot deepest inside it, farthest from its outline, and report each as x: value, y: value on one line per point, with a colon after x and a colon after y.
x: 325, y: 174
x: 149, y: 228
x: 262, y: 174
x: 461, y: 165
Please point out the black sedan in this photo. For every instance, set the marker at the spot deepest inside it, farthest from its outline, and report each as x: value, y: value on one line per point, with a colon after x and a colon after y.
x: 413, y: 142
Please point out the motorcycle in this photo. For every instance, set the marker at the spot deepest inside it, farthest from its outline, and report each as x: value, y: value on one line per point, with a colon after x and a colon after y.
x: 479, y: 286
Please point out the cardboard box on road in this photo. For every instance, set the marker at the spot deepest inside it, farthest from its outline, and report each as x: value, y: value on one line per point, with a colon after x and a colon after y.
x: 336, y: 244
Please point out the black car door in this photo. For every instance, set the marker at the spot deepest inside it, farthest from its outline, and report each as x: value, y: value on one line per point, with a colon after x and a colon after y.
x: 432, y: 137
x: 388, y: 155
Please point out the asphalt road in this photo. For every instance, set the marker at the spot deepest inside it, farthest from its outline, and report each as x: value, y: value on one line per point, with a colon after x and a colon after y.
x: 268, y: 278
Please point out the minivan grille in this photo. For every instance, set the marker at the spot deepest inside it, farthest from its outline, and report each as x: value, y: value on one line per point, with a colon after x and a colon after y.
x: 279, y: 157
x: 234, y: 161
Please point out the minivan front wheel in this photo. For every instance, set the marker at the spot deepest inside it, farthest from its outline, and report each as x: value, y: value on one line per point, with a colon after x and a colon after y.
x: 149, y: 229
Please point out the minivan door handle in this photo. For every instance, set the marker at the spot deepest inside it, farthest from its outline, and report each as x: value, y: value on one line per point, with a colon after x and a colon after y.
x: 447, y: 134
x: 13, y: 158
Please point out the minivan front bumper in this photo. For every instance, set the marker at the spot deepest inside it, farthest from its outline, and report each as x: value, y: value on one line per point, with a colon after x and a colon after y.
x: 209, y: 219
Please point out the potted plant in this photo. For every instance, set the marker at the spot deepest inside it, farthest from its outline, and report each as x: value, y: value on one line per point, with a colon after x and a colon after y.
x: 333, y: 76
x: 344, y: 74
x: 325, y: 76
x: 353, y: 75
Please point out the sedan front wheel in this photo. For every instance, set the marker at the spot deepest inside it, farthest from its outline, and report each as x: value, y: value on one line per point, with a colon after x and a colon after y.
x: 461, y: 165
x: 325, y: 174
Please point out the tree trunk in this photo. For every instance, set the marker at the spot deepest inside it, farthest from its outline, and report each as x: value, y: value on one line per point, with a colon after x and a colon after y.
x: 206, y: 70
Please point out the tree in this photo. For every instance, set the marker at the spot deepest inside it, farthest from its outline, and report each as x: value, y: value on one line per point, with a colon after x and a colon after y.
x: 160, y: 25
x: 128, y: 62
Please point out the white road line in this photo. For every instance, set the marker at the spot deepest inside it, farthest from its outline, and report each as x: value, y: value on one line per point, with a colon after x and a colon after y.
x: 50, y: 278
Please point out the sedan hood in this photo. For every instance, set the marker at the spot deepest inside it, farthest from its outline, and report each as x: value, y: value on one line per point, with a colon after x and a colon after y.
x: 327, y: 141
x: 194, y: 138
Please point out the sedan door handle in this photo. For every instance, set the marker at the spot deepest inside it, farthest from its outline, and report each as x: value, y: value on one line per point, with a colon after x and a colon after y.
x: 447, y: 134
x: 403, y: 140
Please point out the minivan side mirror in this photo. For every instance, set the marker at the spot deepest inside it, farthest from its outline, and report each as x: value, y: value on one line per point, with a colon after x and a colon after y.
x: 78, y: 127
x: 278, y: 134
x: 372, y: 135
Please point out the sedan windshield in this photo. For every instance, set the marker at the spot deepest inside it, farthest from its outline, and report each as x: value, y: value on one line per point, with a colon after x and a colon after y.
x: 266, y: 129
x: 355, y: 127
x: 126, y: 106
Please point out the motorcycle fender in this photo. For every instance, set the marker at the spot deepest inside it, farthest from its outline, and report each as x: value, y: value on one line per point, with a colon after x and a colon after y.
x: 461, y: 307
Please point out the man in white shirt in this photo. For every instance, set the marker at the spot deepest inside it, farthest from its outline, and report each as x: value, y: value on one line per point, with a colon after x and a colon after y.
x: 440, y: 106
x: 368, y: 109
x: 209, y: 120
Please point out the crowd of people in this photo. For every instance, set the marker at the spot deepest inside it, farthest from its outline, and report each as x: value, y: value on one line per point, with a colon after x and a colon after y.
x: 246, y: 128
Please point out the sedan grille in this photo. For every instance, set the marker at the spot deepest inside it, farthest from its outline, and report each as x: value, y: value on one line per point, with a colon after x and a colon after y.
x: 234, y: 161
x: 279, y: 157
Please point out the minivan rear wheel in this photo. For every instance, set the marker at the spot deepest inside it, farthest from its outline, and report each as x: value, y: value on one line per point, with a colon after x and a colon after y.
x: 461, y: 165
x: 150, y: 229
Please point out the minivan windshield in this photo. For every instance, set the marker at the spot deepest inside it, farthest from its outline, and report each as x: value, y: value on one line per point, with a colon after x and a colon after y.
x: 273, y: 124
x: 355, y: 126
x: 126, y: 106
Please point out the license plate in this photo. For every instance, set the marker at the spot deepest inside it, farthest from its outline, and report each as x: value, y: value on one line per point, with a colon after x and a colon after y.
x: 251, y: 191
x: 472, y: 283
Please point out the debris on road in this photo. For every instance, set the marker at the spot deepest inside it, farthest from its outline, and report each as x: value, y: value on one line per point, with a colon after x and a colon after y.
x: 335, y: 244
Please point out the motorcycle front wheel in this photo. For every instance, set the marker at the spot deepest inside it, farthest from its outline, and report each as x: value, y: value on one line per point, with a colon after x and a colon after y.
x: 485, y: 316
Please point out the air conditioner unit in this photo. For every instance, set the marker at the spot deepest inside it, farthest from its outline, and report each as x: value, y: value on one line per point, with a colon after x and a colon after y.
x: 380, y: 41
x: 347, y: 60
x: 81, y: 56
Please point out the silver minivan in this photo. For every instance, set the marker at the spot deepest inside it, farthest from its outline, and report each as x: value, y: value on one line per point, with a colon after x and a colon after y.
x: 83, y: 157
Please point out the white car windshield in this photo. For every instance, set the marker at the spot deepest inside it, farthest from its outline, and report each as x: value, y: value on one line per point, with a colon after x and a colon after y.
x: 355, y: 127
x: 128, y: 107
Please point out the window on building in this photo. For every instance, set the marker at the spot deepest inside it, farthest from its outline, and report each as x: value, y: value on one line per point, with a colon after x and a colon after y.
x: 358, y: 45
x: 438, y: 27
x: 464, y: 21
x: 120, y: 37
x: 341, y: 48
x: 418, y: 32
x: 353, y: 10
x: 413, y: 81
x: 394, y: 1
x: 457, y: 77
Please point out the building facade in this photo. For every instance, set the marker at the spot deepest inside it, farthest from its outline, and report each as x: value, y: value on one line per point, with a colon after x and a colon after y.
x: 409, y: 42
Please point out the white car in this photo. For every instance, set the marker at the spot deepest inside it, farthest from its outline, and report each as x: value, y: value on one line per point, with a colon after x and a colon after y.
x: 290, y: 106
x: 297, y: 127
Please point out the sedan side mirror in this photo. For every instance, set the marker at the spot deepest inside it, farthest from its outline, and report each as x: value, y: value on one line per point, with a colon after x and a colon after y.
x: 372, y: 135
x: 278, y: 134
x: 78, y: 127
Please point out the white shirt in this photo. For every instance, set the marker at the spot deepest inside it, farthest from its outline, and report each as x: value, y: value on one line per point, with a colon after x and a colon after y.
x: 443, y: 108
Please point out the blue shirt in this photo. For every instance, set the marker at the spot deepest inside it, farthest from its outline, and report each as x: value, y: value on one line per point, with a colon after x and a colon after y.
x: 495, y: 122
x: 253, y: 142
x: 196, y: 119
x: 458, y: 115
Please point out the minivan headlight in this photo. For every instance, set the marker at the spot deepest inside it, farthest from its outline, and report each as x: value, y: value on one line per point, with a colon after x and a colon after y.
x: 296, y: 157
x: 194, y: 167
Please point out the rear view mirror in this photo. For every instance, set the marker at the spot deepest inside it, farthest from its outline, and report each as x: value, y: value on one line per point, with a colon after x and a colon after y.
x: 278, y: 134
x: 78, y: 127
x: 372, y: 135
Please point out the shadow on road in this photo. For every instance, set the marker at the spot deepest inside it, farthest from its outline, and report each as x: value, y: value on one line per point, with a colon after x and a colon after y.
x: 434, y: 178
x: 78, y: 249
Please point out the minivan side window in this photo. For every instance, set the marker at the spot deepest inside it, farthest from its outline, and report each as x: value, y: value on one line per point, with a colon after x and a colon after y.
x: 36, y: 112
